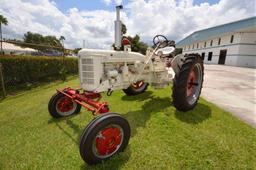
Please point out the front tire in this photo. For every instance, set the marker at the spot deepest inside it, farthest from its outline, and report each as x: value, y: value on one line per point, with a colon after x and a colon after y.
x: 136, y: 88
x: 188, y: 82
x: 62, y: 106
x: 105, y: 136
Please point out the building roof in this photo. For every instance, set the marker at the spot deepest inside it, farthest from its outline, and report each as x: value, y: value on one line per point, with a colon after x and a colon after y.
x: 217, y: 30
x: 13, y: 47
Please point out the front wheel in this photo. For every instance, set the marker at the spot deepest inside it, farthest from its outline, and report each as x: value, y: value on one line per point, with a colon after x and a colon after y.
x: 62, y: 106
x: 136, y: 88
x: 188, y: 82
x: 105, y: 136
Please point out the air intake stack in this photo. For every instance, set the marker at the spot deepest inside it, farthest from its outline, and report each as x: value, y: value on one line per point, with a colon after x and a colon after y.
x: 118, y: 28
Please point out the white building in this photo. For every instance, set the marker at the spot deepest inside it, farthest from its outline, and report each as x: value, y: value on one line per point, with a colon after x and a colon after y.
x: 9, y: 48
x: 230, y: 44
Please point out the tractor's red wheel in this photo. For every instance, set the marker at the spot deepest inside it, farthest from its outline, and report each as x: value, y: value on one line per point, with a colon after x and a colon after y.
x: 65, y: 105
x: 136, y: 88
x: 105, y: 136
x: 62, y: 106
x: 108, y: 141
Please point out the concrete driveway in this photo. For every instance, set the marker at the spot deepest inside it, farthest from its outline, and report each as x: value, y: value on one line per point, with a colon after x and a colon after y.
x: 233, y: 89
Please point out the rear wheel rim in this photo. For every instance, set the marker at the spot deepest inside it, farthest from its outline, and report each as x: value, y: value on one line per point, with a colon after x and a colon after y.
x: 108, y: 141
x: 194, y: 83
x: 138, y: 84
x: 65, y: 106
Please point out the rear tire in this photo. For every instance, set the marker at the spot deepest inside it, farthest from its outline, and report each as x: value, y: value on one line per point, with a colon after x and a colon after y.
x: 136, y: 88
x: 62, y: 106
x: 188, y: 82
x: 104, y: 137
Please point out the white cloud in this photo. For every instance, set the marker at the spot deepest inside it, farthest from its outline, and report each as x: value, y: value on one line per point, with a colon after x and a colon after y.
x: 107, y: 2
x: 95, y: 27
x: 175, y: 19
x: 118, y: 2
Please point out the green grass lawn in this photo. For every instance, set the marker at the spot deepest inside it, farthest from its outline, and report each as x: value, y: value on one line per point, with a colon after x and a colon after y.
x: 162, y: 138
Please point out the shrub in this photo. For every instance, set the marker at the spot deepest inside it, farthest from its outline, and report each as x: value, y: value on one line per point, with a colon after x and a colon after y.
x: 19, y: 70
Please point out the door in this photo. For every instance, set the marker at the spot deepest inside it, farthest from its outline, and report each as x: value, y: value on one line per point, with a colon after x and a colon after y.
x: 210, y: 56
x: 222, y: 56
x: 203, y: 55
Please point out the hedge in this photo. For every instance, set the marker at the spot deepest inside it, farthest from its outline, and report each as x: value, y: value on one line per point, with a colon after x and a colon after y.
x: 33, y: 69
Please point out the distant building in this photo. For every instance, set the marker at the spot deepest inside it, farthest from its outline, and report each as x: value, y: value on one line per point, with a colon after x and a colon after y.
x: 9, y: 48
x: 231, y: 44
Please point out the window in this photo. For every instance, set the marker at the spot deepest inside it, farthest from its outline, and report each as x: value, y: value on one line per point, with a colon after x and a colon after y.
x: 232, y: 39
x: 205, y: 44
x: 211, y: 43
x: 197, y: 45
x: 203, y: 55
x: 219, y: 41
x: 210, y: 56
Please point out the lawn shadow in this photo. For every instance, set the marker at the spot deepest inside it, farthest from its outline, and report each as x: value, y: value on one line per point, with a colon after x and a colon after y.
x: 140, y: 117
x: 199, y: 114
x: 115, y: 163
x: 76, y: 129
x: 144, y: 96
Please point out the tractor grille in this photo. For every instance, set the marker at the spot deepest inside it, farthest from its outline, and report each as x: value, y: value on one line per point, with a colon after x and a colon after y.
x: 87, y: 70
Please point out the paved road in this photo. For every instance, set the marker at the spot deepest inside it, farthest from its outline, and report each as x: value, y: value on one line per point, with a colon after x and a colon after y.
x: 233, y: 89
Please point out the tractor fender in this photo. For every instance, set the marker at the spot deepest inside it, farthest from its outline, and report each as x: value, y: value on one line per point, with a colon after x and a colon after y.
x: 179, y: 59
x: 176, y: 62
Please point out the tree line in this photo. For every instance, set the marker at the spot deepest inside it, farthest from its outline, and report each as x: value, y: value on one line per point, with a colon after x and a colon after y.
x: 43, y: 41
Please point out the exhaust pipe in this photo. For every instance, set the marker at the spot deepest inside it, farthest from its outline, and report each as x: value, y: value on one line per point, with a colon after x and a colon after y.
x: 118, y: 28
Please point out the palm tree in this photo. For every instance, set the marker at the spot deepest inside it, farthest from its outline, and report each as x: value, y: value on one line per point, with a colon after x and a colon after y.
x: 3, y: 21
x: 62, y: 38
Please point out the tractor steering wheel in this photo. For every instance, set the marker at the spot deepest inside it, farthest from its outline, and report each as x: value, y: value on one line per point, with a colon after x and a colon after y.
x: 160, y: 41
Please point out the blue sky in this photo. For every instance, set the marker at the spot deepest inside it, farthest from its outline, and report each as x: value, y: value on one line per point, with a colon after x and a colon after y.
x: 65, y: 5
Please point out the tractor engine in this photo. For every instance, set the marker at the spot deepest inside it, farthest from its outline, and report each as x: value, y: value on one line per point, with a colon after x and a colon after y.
x: 107, y: 70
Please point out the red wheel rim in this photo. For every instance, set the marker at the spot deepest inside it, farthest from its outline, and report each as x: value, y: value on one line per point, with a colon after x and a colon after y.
x: 191, y: 83
x: 108, y: 141
x: 194, y: 83
x: 138, y: 84
x: 65, y: 104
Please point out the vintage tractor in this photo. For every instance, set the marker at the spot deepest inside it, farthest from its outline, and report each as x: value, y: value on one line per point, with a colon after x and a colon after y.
x: 109, y: 70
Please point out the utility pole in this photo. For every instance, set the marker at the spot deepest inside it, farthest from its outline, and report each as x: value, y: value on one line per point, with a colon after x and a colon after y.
x: 63, y: 48
x: 1, y: 38
x: 2, y: 80
x: 83, y: 43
